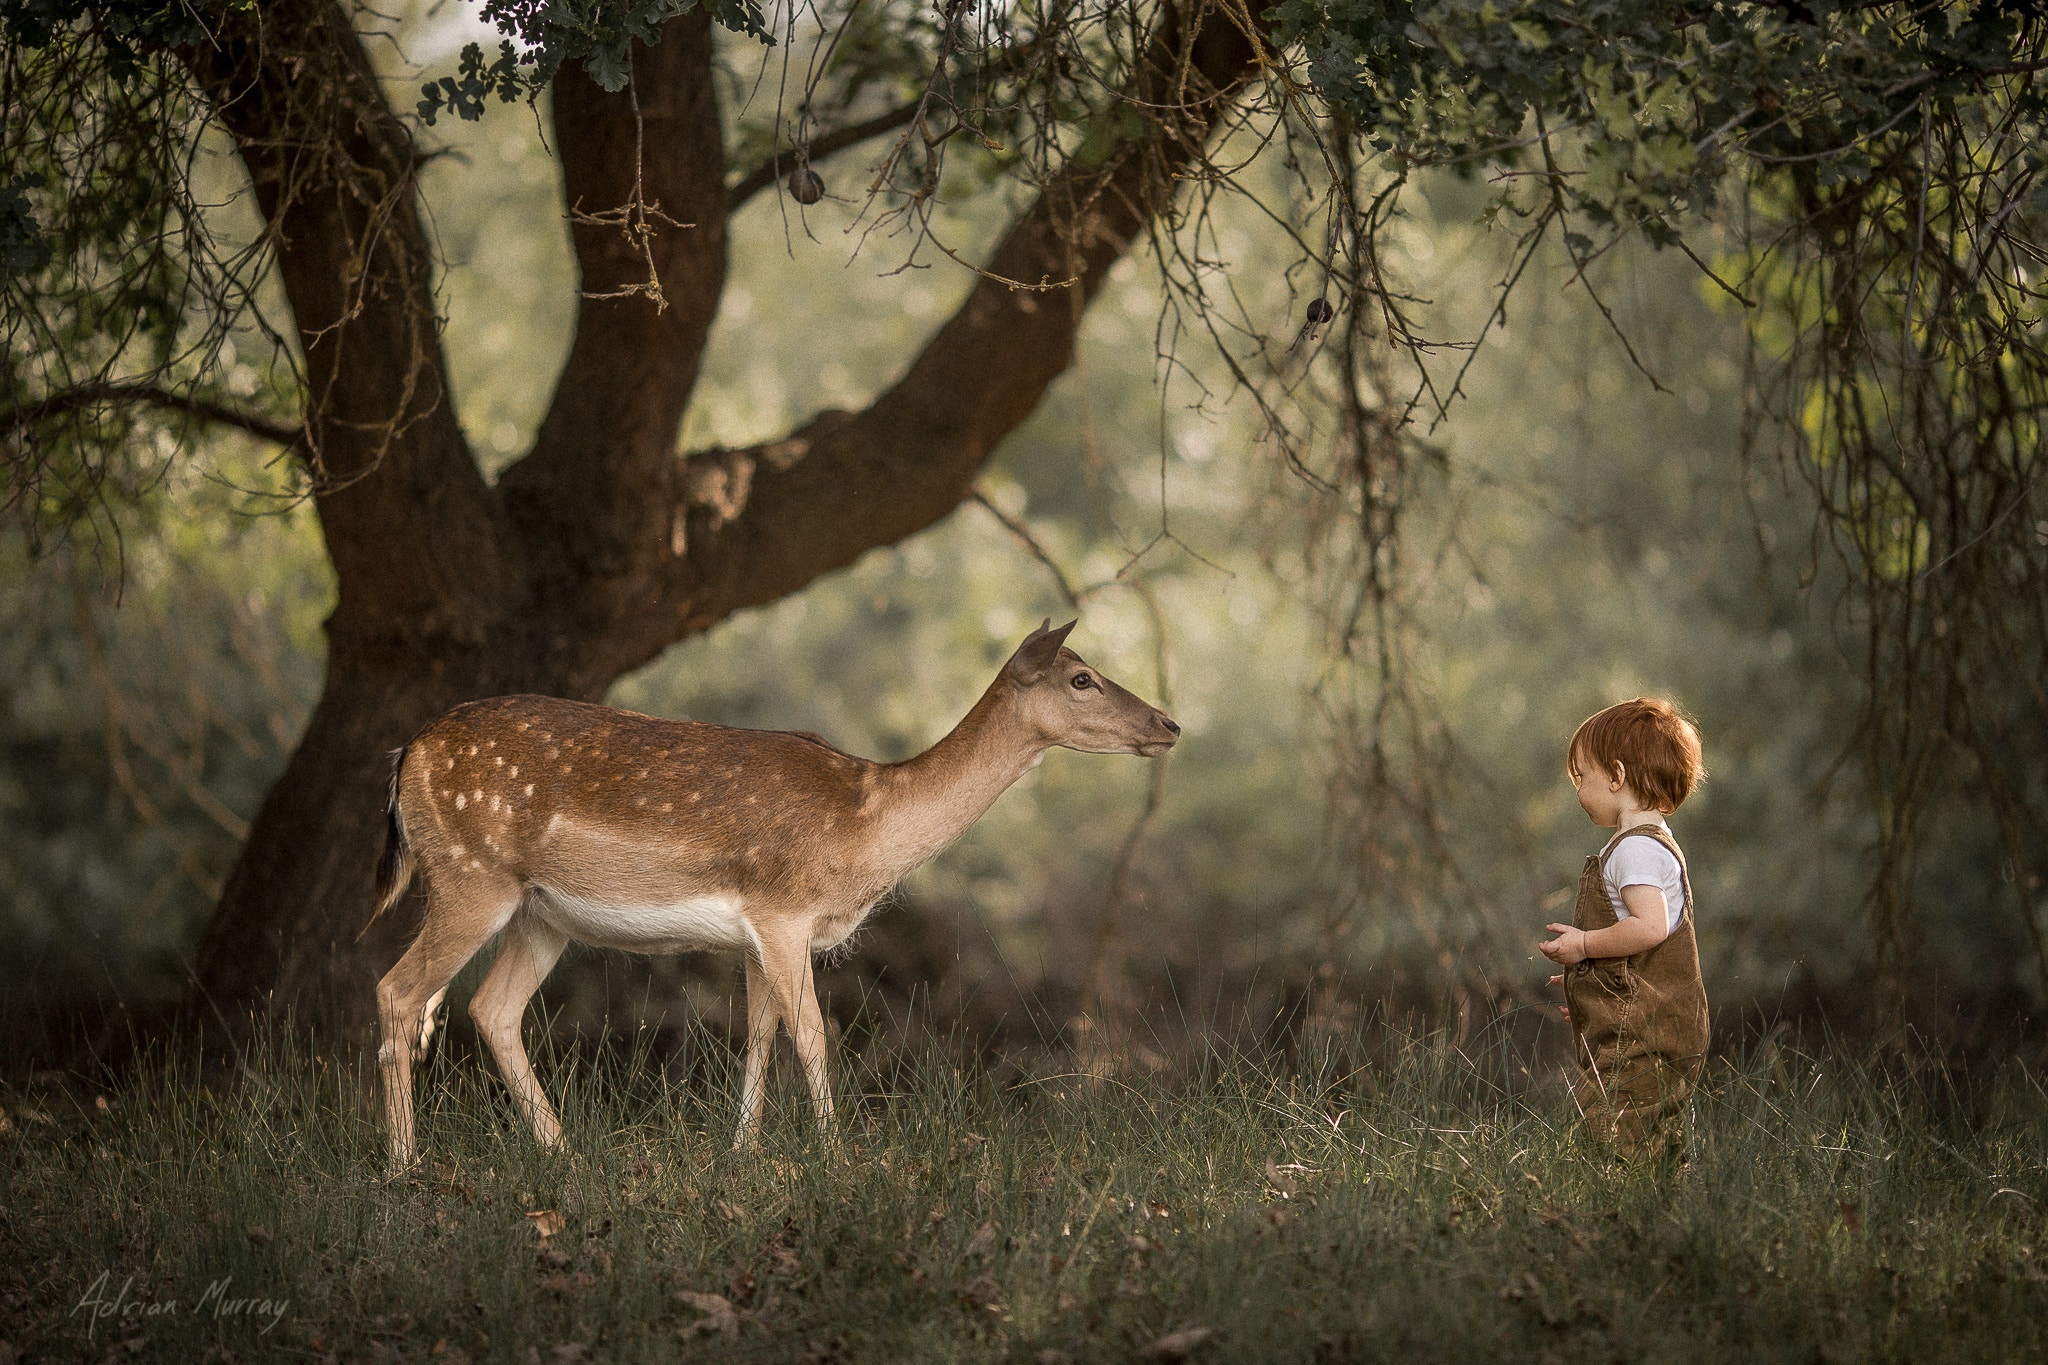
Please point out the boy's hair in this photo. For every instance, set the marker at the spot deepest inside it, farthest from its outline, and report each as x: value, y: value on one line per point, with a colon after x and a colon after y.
x: 1655, y: 742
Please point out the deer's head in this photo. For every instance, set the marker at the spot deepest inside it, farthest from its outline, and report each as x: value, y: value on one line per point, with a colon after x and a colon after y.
x: 1070, y: 703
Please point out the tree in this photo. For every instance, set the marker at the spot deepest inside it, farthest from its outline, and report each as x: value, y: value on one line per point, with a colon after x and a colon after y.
x: 601, y: 546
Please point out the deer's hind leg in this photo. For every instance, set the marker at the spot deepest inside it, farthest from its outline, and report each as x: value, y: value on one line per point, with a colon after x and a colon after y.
x: 762, y: 1018
x: 529, y: 952
x: 463, y: 913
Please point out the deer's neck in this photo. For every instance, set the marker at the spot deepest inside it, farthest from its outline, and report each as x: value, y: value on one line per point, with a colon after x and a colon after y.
x: 931, y: 800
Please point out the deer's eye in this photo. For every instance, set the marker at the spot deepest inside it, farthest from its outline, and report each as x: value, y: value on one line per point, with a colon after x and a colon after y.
x: 1083, y: 681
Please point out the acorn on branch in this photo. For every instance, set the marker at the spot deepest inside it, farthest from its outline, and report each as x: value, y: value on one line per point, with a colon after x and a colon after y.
x: 804, y: 185
x: 1319, y: 313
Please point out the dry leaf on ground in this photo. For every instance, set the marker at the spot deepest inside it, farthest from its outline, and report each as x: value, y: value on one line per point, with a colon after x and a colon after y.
x: 982, y: 1245
x: 718, y: 1314
x: 1176, y: 1345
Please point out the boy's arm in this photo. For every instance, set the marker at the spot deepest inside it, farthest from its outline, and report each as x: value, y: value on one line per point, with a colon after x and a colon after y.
x: 1648, y: 924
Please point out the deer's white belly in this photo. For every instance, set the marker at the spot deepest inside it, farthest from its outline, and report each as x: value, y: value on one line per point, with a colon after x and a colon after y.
x: 671, y: 927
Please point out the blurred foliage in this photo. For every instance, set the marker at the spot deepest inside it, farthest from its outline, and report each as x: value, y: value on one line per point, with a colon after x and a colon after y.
x: 133, y: 266
x: 145, y: 707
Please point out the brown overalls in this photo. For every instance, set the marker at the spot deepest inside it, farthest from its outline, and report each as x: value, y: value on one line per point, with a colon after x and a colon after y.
x: 1639, y: 1023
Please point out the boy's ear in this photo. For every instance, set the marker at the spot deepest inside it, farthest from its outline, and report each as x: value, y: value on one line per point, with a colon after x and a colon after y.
x: 1038, y: 652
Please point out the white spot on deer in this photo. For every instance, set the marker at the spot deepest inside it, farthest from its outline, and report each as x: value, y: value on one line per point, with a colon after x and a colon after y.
x: 494, y: 803
x: 753, y: 800
x: 499, y: 761
x: 477, y: 796
x: 460, y: 800
x: 566, y: 770
x: 514, y: 772
x: 451, y: 765
x: 457, y: 851
x: 642, y: 773
x: 696, y: 796
x: 525, y: 725
x: 529, y: 789
x: 666, y: 807
x: 472, y: 751
x: 554, y: 751
x: 752, y: 849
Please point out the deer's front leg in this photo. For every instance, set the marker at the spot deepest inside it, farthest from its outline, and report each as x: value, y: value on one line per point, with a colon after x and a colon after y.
x: 788, y: 967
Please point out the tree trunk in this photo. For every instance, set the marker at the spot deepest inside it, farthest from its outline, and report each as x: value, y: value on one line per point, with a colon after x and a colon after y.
x: 287, y: 930
x: 601, y: 547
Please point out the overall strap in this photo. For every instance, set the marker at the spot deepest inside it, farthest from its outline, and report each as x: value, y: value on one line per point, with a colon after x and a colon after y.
x: 1662, y: 834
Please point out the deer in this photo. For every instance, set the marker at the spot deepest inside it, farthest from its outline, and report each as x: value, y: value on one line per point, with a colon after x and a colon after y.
x: 535, y: 820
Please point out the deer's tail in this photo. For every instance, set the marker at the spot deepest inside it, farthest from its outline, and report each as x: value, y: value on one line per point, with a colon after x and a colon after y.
x: 395, y: 866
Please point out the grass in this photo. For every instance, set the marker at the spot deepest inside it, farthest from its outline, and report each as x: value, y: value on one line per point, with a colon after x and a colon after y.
x: 1422, y: 1204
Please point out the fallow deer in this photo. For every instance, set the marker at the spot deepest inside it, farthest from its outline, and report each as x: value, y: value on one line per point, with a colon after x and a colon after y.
x: 544, y: 820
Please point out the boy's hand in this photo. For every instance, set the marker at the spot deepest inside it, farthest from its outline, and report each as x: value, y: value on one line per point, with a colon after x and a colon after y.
x: 1567, y: 948
x: 1565, y: 1010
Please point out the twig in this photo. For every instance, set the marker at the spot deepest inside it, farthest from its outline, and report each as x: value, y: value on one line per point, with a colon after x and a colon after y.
x: 634, y: 217
x: 838, y: 140
x: 151, y: 395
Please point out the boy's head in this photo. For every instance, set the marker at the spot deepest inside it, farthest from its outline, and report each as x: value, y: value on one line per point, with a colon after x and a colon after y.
x: 1651, y: 741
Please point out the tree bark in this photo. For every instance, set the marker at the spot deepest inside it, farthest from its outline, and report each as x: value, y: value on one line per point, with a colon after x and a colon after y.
x: 601, y: 547
x: 425, y: 566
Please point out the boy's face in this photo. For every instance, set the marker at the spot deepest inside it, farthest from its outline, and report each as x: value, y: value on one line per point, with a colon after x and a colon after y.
x: 1602, y: 793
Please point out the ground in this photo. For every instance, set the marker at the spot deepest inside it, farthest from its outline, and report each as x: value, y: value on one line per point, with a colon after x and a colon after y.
x: 1395, y: 1197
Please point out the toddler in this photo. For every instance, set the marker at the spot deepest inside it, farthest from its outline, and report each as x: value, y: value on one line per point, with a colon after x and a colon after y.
x: 1631, y: 982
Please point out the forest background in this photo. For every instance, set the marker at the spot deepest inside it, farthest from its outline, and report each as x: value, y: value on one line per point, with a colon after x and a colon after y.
x: 1586, y: 535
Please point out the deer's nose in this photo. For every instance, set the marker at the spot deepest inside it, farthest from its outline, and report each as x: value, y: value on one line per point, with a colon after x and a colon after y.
x: 1171, y: 725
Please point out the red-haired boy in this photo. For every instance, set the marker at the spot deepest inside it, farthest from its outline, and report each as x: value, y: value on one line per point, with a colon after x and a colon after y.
x: 1631, y: 982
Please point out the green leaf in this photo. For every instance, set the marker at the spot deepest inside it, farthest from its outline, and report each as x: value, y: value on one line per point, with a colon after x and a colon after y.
x: 607, y: 66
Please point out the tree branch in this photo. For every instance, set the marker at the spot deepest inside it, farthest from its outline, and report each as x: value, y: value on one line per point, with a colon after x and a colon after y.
x: 822, y: 146
x: 151, y: 395
x: 598, y: 483
x: 416, y: 538
x: 757, y: 524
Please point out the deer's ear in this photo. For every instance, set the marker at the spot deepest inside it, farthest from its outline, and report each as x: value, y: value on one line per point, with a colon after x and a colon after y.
x: 1040, y: 648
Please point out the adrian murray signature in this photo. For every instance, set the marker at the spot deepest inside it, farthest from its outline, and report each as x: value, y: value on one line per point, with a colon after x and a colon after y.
x: 218, y: 1302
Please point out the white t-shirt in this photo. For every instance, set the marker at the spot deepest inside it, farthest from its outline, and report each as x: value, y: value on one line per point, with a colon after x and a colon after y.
x: 1640, y: 860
